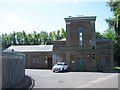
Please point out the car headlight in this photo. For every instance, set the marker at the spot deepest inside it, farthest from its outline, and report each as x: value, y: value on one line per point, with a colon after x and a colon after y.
x: 61, y: 68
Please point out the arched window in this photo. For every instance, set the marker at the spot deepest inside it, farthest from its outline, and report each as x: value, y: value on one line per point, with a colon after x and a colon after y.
x: 80, y: 35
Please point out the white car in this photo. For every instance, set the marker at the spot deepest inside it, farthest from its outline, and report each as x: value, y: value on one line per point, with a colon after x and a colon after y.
x: 60, y: 66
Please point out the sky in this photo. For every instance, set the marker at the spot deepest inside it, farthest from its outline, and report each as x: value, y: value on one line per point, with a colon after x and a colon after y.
x: 48, y: 15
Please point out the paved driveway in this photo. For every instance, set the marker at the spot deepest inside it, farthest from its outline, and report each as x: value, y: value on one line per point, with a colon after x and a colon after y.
x: 48, y: 79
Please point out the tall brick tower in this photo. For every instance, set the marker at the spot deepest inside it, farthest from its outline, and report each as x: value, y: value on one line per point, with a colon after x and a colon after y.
x: 80, y: 42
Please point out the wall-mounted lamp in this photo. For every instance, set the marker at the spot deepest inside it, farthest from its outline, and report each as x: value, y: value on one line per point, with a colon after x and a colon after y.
x: 46, y: 62
x: 73, y: 61
x: 88, y: 55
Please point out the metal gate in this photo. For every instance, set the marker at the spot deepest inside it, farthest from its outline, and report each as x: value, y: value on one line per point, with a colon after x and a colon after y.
x: 13, y: 68
x: 80, y: 65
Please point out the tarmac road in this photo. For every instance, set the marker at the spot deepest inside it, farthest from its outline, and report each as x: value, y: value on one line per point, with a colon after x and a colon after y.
x: 48, y: 79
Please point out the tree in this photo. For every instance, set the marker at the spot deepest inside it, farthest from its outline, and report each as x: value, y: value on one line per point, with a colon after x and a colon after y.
x: 35, y: 38
x: 22, y: 38
x: 63, y: 33
x: 13, y: 38
x: 110, y: 34
x: 30, y: 39
x: 98, y: 35
x: 25, y: 39
x: 114, y: 6
x: 58, y: 35
x: 44, y: 37
x: 114, y: 22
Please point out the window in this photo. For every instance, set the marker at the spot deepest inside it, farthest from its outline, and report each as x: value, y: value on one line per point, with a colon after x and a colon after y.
x: 35, y: 59
x: 65, y: 64
x: 80, y: 39
x: 103, y: 61
x: 80, y: 32
x: 93, y: 48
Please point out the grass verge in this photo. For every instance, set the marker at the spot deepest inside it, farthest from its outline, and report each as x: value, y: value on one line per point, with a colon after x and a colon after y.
x: 117, y: 68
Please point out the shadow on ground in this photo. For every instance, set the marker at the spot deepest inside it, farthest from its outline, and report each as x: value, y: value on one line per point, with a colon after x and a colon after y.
x: 26, y: 84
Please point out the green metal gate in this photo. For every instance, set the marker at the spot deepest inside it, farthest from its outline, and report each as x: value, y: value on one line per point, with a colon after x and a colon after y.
x: 80, y: 65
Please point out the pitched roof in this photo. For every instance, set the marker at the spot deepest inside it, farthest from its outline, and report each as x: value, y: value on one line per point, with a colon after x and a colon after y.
x: 30, y: 48
x: 62, y: 39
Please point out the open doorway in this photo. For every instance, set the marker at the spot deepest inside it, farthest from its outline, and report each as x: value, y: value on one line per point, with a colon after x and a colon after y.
x: 49, y: 63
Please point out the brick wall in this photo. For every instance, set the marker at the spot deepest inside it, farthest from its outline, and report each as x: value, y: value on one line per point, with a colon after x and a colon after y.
x: 72, y: 33
x: 37, y: 59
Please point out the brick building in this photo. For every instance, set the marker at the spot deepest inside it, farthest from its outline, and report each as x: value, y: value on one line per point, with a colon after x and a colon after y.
x: 36, y: 56
x: 81, y: 50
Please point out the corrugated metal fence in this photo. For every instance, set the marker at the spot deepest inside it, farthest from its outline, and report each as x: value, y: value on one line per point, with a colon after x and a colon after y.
x: 13, y: 68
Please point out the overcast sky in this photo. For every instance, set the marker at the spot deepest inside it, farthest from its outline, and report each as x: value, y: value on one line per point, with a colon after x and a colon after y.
x: 48, y: 15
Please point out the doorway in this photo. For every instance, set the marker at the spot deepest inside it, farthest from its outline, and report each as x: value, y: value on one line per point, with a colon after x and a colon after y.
x: 49, y: 62
x: 35, y: 62
x: 80, y: 65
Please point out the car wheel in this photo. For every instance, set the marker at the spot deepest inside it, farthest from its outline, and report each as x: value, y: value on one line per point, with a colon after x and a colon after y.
x: 53, y: 71
x: 62, y: 69
x: 67, y: 70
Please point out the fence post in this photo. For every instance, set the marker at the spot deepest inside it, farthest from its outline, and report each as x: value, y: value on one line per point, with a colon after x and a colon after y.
x: 1, y: 68
x: 23, y: 60
x: 12, y: 73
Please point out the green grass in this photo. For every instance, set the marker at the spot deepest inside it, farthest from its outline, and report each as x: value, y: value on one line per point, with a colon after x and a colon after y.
x: 117, y: 68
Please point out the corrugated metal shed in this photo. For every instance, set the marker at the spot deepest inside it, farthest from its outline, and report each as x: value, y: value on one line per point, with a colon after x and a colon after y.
x: 31, y: 48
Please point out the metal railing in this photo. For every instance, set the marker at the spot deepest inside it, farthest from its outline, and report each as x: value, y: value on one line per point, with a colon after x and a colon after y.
x: 13, y: 68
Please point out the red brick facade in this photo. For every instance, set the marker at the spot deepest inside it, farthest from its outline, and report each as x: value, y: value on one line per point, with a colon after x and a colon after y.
x: 81, y: 50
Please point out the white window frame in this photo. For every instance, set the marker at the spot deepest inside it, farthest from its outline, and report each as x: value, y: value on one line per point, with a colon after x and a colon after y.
x: 80, y: 35
x: 81, y: 38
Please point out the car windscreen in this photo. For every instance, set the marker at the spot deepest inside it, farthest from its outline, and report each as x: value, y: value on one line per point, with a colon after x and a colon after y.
x: 60, y: 64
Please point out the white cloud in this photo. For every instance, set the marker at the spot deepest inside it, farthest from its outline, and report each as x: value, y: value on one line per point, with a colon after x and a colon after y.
x: 1, y: 14
x: 11, y: 17
x: 13, y: 22
x: 53, y: 1
x: 75, y: 1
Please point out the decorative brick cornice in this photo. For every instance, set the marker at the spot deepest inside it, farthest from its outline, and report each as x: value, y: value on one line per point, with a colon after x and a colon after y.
x: 92, y: 18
